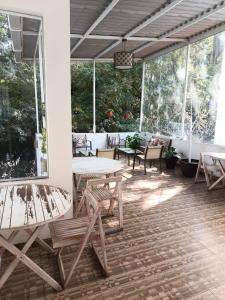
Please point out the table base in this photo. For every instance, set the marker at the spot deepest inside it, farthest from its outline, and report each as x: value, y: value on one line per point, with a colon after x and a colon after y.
x: 20, y: 256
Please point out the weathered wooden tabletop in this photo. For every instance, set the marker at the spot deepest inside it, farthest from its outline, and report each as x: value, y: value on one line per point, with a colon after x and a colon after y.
x: 31, y: 205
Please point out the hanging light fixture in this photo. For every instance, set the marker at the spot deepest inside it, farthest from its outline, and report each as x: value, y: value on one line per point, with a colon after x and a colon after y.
x: 123, y: 60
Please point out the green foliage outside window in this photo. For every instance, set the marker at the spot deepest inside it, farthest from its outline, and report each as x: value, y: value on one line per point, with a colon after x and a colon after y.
x: 118, y: 92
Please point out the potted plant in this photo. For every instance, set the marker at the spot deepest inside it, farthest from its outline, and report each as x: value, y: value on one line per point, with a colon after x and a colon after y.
x: 109, y: 113
x: 171, y: 158
x: 134, y: 141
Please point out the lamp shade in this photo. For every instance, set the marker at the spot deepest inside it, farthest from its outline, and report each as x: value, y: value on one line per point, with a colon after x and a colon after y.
x: 123, y: 60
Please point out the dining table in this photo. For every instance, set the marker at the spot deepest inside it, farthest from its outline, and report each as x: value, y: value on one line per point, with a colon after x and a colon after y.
x: 92, y: 166
x: 218, y: 161
x: 95, y: 166
x: 29, y: 207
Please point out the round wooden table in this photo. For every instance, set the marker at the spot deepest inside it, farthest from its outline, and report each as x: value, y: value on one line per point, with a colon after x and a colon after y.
x: 95, y: 166
x: 29, y: 207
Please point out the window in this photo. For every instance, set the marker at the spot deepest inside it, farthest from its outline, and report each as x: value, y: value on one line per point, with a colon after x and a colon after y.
x: 118, y: 97
x: 179, y: 99
x: 164, y: 94
x: 23, y: 142
x: 206, y: 89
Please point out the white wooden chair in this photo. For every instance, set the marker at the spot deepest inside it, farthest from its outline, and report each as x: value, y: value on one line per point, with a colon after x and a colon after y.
x: 83, y: 230
x: 102, y: 190
x: 151, y: 154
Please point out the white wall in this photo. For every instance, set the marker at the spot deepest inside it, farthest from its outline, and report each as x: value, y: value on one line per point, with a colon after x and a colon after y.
x: 56, y: 30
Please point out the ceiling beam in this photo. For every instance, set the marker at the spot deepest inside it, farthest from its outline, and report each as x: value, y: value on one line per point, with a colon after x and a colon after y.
x: 95, y: 24
x: 203, y: 15
x: 120, y: 38
x: 205, y: 34
x: 153, y: 17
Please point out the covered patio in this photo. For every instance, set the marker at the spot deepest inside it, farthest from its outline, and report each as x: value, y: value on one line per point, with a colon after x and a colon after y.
x: 170, y: 240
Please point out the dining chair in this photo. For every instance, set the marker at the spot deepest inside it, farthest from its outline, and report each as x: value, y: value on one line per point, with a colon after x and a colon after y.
x: 150, y: 155
x: 114, y: 140
x: 106, y: 153
x: 107, y: 189
x: 81, y: 142
x: 80, y: 231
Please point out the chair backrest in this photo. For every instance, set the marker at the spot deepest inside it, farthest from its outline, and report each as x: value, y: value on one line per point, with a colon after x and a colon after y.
x: 93, y: 207
x: 153, y: 152
x: 113, y: 139
x: 80, y: 140
x: 160, y: 141
x: 94, y: 183
x: 106, y: 153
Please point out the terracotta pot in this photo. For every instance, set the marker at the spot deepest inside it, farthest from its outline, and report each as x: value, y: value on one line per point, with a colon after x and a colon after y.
x: 109, y: 114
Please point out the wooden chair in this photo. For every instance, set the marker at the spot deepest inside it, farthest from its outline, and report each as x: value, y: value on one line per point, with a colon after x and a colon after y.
x: 114, y: 140
x: 150, y: 154
x: 81, y: 142
x: 106, y: 153
x: 80, y: 231
x: 102, y: 191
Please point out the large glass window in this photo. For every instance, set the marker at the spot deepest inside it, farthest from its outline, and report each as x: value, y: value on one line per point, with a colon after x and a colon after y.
x: 164, y: 94
x: 118, y: 97
x: 82, y: 97
x: 23, y: 136
x: 206, y: 93
x: 179, y: 99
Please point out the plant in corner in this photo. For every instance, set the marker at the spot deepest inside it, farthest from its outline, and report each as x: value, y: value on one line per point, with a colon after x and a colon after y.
x: 171, y: 158
x: 134, y: 141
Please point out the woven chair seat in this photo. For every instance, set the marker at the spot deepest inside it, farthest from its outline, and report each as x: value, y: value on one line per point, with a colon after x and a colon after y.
x: 101, y: 194
x: 64, y: 232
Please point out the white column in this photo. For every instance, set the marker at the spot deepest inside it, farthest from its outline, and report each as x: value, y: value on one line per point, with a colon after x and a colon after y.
x: 94, y: 100
x: 142, y: 96
x: 185, y: 89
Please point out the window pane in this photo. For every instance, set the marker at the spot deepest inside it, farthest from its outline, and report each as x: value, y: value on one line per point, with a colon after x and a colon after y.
x: 206, y: 89
x: 164, y: 94
x: 23, y: 150
x: 118, y: 97
x: 82, y: 97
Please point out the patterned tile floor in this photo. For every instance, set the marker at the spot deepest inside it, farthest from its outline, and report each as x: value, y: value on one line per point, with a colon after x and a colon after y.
x: 172, y: 247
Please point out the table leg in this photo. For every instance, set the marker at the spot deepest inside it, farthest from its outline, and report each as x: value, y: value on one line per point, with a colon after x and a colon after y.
x: 21, y: 256
x: 10, y: 239
x: 42, y: 243
x: 222, y: 177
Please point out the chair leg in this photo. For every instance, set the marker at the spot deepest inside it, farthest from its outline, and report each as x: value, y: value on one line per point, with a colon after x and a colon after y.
x: 79, y: 207
x: 134, y: 162
x: 81, y: 249
x: 160, y: 165
x: 145, y: 167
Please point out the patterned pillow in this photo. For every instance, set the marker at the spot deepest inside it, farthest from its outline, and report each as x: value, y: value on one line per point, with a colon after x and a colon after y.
x: 154, y: 142
x: 80, y: 141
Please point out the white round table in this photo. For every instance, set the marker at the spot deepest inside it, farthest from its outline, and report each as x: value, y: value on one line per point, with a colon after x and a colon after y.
x: 29, y: 207
x: 95, y: 166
